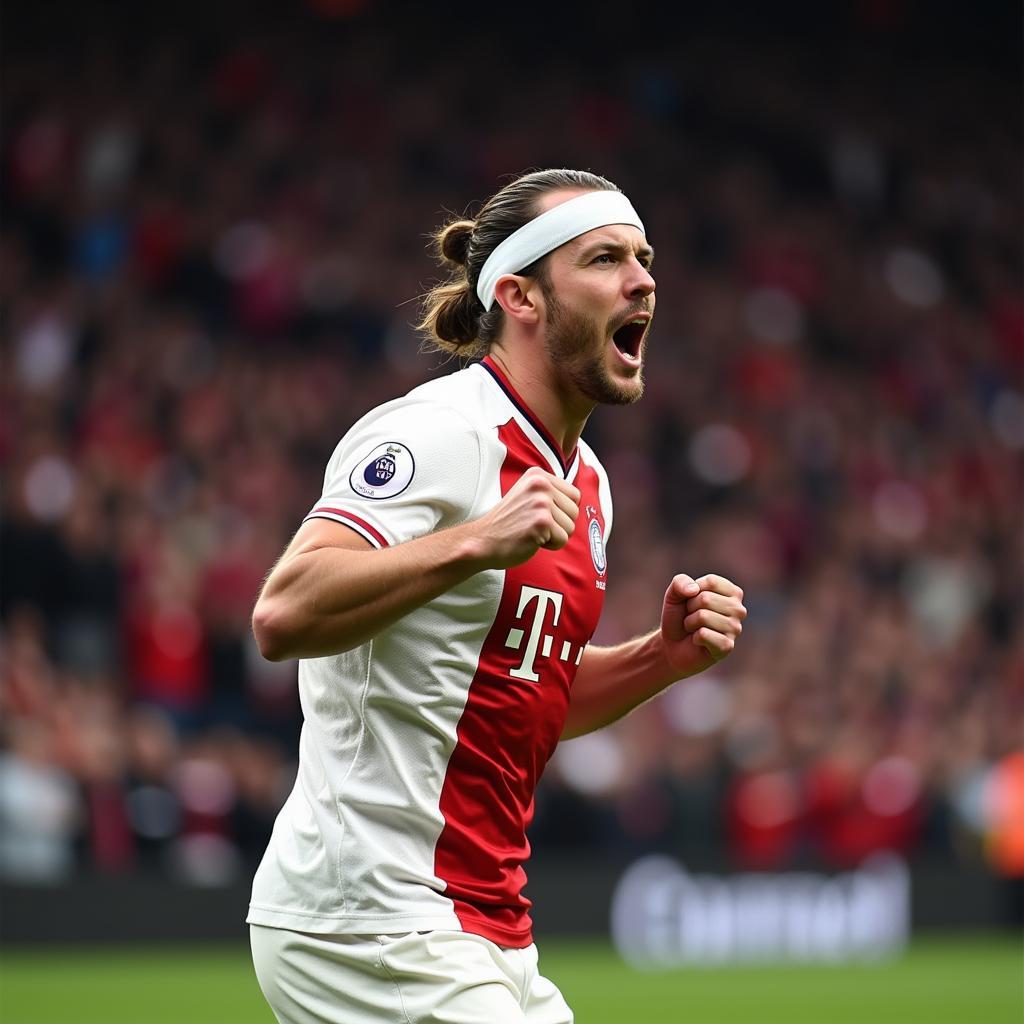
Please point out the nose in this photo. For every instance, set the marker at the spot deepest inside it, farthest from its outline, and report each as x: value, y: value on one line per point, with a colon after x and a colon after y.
x: 640, y: 283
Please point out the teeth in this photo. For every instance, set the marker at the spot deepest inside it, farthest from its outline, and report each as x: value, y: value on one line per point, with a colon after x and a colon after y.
x: 638, y: 320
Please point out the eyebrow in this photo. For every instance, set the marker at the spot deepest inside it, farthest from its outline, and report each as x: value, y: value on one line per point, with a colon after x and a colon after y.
x: 619, y: 249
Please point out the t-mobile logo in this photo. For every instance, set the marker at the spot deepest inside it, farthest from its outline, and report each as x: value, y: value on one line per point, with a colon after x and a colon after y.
x: 537, y: 639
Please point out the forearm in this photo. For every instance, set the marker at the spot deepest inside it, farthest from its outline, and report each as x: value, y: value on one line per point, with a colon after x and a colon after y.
x: 325, y: 600
x: 331, y: 591
x: 611, y: 681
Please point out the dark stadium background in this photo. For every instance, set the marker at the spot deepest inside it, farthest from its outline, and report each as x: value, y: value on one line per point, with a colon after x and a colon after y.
x: 213, y: 231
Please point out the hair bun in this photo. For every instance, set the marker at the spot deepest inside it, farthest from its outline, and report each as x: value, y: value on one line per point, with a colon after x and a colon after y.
x: 454, y: 241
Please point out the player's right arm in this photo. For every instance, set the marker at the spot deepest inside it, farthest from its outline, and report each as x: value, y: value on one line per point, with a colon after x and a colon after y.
x: 332, y: 591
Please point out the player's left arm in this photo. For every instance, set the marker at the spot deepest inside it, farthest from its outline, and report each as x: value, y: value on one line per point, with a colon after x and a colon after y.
x: 700, y: 622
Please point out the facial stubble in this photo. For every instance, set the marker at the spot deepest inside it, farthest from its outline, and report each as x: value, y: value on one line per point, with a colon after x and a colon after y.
x: 576, y: 345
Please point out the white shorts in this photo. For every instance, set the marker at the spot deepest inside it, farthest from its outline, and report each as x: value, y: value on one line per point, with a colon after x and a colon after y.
x: 436, y: 977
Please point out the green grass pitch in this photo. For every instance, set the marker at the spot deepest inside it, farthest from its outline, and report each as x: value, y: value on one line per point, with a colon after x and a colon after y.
x: 961, y: 980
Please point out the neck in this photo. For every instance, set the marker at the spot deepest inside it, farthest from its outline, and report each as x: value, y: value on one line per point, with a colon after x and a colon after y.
x: 563, y: 415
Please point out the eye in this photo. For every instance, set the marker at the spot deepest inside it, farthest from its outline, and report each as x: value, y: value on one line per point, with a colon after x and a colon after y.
x: 604, y: 258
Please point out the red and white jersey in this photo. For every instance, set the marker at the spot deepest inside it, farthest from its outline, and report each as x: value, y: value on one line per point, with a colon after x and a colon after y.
x: 421, y: 749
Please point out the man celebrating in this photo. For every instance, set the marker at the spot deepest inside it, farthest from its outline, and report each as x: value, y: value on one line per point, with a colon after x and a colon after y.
x: 441, y: 596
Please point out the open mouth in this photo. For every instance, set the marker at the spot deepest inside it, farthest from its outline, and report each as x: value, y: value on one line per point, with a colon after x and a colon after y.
x: 629, y: 337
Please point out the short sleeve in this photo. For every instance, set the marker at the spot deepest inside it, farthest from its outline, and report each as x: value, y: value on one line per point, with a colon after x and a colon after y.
x: 404, y: 470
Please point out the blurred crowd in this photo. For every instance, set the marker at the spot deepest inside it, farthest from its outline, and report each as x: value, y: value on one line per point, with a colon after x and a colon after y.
x: 209, y: 257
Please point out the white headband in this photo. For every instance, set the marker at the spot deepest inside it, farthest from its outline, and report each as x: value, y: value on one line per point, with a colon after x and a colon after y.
x: 551, y: 229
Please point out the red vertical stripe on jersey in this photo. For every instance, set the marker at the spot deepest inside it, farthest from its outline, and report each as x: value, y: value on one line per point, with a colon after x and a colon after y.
x: 511, y: 724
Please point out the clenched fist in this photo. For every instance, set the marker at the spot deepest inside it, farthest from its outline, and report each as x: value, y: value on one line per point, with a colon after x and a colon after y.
x: 700, y: 621
x: 539, y: 511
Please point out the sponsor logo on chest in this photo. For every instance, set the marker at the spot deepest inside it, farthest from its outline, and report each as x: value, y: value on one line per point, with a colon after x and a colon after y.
x: 538, y: 611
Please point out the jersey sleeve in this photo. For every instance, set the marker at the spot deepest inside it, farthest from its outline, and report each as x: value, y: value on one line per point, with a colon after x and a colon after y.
x: 404, y: 470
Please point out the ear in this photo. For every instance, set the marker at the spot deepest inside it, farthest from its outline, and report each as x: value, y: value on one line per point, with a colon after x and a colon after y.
x: 517, y: 296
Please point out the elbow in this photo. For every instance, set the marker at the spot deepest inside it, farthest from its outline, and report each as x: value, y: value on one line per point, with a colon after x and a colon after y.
x: 270, y: 632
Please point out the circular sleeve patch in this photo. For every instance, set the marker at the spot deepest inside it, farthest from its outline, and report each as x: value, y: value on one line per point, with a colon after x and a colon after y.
x: 385, y: 472
x: 597, y: 547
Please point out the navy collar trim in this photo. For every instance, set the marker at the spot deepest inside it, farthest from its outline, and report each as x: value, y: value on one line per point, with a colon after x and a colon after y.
x: 513, y: 396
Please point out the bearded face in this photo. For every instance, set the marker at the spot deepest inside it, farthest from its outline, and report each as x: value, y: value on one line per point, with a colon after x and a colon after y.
x: 579, y: 347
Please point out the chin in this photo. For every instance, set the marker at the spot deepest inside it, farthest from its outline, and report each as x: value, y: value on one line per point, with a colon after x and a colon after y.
x: 601, y: 386
x: 630, y: 393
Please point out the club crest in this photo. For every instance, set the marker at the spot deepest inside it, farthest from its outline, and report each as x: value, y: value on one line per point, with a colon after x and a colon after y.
x: 597, y: 546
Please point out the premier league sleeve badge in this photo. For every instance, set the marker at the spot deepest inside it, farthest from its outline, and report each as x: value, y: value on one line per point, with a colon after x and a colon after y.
x: 384, y: 473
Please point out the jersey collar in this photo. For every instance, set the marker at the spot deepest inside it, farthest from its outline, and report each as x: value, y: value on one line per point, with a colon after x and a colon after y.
x: 567, y: 466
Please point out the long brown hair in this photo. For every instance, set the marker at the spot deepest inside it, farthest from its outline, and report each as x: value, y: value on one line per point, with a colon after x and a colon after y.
x: 453, y: 318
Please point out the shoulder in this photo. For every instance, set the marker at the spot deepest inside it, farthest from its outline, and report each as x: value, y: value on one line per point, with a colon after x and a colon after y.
x: 439, y: 412
x: 425, y: 445
x: 465, y: 393
x: 453, y: 402
x: 408, y: 466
